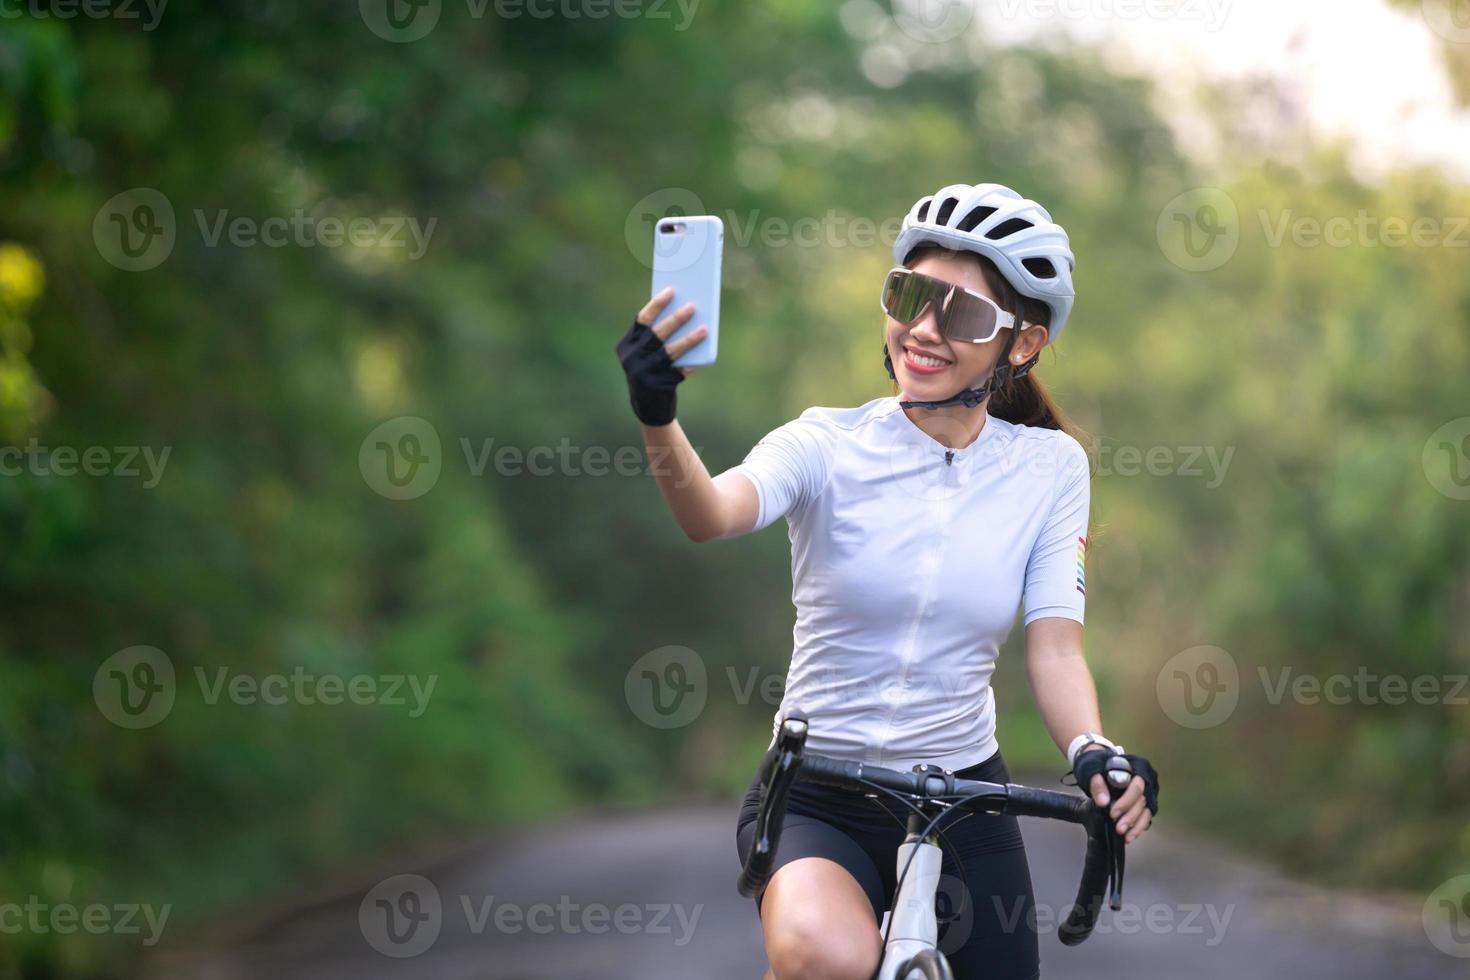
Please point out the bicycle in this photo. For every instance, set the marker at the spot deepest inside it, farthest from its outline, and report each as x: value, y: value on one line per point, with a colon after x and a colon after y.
x: 911, y: 928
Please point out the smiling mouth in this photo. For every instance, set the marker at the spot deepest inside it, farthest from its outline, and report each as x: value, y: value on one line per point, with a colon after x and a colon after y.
x: 924, y: 361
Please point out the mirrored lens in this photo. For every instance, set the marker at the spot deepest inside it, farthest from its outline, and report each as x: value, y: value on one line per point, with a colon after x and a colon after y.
x: 905, y: 294
x: 965, y: 318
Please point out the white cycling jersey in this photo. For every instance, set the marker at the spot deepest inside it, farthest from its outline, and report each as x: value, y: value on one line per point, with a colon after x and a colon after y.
x: 908, y: 563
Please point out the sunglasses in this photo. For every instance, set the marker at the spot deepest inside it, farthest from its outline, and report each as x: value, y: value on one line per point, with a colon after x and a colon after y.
x: 962, y: 314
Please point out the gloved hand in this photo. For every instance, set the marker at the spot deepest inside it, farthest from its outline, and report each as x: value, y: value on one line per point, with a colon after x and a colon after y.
x: 649, y: 363
x: 1134, y: 809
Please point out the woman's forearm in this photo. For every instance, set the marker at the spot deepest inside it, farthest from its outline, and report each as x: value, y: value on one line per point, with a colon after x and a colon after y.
x: 703, y: 507
x: 1061, y: 681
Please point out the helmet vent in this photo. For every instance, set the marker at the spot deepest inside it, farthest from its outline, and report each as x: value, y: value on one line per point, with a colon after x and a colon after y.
x: 1040, y: 268
x: 975, y: 217
x: 1008, y: 228
x: 945, y: 210
x: 924, y: 209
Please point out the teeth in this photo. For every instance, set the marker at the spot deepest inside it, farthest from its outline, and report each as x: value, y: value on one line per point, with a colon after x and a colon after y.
x: 926, y: 361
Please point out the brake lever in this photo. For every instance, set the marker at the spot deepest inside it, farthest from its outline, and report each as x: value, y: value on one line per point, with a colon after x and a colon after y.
x: 1117, y: 776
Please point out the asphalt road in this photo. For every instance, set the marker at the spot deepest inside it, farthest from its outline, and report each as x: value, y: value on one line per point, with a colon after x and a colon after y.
x: 651, y: 896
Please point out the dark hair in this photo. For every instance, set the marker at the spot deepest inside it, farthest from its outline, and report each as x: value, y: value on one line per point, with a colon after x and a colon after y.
x: 1024, y: 401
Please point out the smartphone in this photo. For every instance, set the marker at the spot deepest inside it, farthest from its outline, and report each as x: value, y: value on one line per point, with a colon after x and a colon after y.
x: 687, y: 251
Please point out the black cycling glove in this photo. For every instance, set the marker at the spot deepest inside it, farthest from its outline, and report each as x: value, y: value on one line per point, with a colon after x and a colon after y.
x: 652, y: 376
x: 1094, y: 761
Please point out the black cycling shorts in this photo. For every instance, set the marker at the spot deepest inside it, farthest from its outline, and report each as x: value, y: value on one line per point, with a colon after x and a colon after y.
x: 986, y: 930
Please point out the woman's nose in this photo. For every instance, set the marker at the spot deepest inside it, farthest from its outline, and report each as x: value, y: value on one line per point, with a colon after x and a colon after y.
x: 926, y: 328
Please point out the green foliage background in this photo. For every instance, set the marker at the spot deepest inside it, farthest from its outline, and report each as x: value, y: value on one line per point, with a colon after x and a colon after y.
x: 532, y: 142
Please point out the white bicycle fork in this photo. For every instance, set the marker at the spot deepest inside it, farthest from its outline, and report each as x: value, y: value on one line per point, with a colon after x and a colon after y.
x: 915, y: 924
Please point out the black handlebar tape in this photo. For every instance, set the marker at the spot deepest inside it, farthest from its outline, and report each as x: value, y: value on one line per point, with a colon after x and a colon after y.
x: 840, y: 773
x: 1096, y: 870
x: 847, y: 775
x: 1023, y: 801
x: 779, y: 771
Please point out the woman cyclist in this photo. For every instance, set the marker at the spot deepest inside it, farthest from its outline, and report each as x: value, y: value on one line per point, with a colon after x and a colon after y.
x: 918, y: 524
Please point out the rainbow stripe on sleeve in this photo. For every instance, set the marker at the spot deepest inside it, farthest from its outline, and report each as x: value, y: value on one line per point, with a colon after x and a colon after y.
x: 1081, y: 565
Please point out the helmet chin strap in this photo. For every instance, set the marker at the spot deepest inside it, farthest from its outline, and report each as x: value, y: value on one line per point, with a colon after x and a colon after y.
x: 970, y: 397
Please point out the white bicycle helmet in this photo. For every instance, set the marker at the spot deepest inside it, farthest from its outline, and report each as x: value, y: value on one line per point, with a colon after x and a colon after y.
x: 1014, y: 232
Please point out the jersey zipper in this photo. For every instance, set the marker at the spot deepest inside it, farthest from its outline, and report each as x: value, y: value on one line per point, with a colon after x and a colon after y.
x: 936, y: 517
